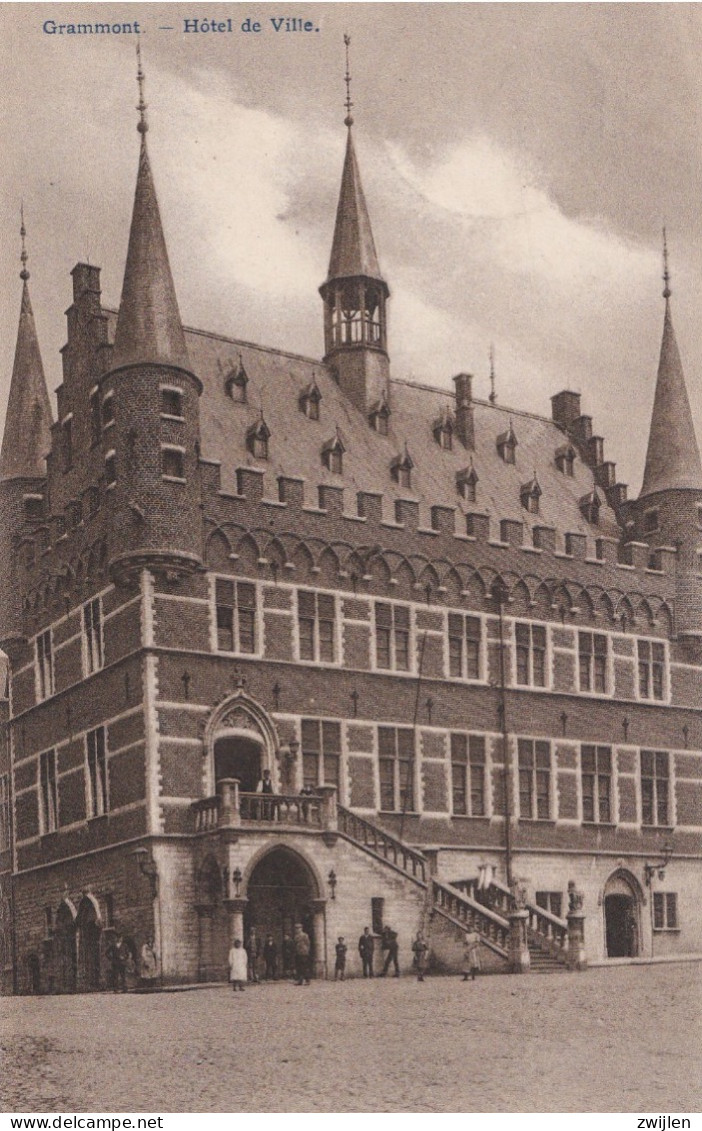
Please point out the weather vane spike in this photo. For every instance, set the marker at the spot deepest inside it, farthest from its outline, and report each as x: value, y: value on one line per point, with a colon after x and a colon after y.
x: 141, y: 107
x: 348, y: 120
x: 493, y: 394
x: 666, y: 273
x: 24, y: 273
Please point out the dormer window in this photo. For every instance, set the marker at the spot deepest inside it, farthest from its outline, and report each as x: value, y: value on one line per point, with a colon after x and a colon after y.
x: 379, y: 416
x: 401, y: 469
x: 257, y: 438
x: 443, y: 430
x: 530, y: 494
x: 333, y: 454
x: 507, y: 445
x: 309, y: 400
x: 590, y: 507
x: 467, y: 483
x: 565, y: 460
x: 650, y: 521
x: 235, y: 383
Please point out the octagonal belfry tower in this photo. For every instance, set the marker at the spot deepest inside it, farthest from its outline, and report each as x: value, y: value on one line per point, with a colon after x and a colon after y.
x: 355, y: 293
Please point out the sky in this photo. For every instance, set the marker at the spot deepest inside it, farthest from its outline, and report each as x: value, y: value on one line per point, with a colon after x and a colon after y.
x: 519, y: 162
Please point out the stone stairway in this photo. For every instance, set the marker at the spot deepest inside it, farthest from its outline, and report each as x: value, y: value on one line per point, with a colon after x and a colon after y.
x: 541, y: 962
x: 547, y: 934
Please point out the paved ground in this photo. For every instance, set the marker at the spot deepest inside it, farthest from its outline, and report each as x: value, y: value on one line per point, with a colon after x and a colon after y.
x: 624, y: 1039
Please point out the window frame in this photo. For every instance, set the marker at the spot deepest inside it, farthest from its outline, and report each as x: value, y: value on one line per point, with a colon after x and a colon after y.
x: 237, y: 607
x: 465, y: 660
x: 166, y: 391
x: 405, y: 737
x: 48, y: 792
x: 533, y: 651
x: 171, y: 451
x: 473, y: 760
x: 659, y: 797
x: 665, y: 909
x: 326, y: 747
x: 530, y: 776
x: 393, y: 630
x: 92, y: 624
x: 600, y: 773
x: 44, y: 665
x: 97, y: 776
x: 316, y: 640
x: 588, y: 663
x: 648, y: 666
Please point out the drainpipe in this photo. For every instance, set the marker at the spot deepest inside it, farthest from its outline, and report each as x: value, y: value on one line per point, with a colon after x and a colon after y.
x: 499, y: 594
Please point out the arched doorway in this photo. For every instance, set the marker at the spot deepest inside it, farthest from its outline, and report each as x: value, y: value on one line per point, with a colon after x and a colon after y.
x: 65, y: 950
x: 89, y: 932
x: 281, y: 892
x: 622, y: 920
x: 236, y: 756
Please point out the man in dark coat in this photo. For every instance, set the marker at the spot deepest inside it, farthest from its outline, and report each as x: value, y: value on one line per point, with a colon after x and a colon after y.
x: 366, y: 946
x: 389, y: 944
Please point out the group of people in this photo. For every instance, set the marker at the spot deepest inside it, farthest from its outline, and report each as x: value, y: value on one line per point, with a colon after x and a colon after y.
x: 244, y: 959
x: 121, y: 955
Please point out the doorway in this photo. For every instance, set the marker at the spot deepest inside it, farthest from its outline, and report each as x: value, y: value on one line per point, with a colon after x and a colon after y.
x: 65, y: 951
x: 621, y: 910
x: 89, y: 933
x: 280, y: 894
x: 238, y: 757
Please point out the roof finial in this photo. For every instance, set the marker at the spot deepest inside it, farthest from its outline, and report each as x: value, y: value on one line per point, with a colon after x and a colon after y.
x: 348, y: 120
x: 24, y: 273
x: 666, y: 274
x: 143, y: 125
x: 493, y: 394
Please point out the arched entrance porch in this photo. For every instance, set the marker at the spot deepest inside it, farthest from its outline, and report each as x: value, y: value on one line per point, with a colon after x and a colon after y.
x: 622, y: 916
x: 282, y: 890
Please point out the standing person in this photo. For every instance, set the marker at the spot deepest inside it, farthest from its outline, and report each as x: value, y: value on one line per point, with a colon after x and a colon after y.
x: 471, y: 955
x: 389, y: 943
x: 238, y: 964
x: 340, y: 964
x: 265, y: 785
x: 119, y: 957
x: 270, y: 957
x: 420, y: 948
x: 288, y: 956
x: 366, y: 946
x: 148, y: 966
x: 303, y: 947
x: 252, y: 950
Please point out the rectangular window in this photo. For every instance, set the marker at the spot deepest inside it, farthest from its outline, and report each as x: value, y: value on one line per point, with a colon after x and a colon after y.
x: 550, y: 901
x: 665, y: 911
x: 95, y: 417
x: 92, y: 636
x: 377, y: 909
x: 596, y: 780
x: 655, y: 787
x: 534, y: 779
x: 468, y: 775
x: 531, y: 654
x: 592, y: 662
x: 44, y: 665
x: 316, y: 621
x: 172, y: 403
x: 392, y: 637
x: 97, y: 771
x: 236, y: 615
x: 4, y: 812
x: 321, y: 753
x: 464, y: 646
x: 172, y: 463
x: 396, y: 768
x: 651, y: 654
x: 48, y: 796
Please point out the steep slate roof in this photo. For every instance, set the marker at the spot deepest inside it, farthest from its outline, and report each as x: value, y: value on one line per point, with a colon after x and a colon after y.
x: 353, y: 248
x: 673, y: 457
x: 27, y: 437
x: 149, y: 326
x: 276, y: 380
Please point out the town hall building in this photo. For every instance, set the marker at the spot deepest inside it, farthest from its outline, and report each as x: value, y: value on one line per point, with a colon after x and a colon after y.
x: 471, y: 664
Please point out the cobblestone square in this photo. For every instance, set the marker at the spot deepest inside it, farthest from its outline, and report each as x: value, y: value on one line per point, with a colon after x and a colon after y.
x: 616, y: 1039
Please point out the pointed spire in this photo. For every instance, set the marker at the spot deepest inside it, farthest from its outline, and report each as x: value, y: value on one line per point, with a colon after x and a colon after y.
x: 149, y: 328
x: 673, y: 456
x: 353, y: 248
x: 27, y: 437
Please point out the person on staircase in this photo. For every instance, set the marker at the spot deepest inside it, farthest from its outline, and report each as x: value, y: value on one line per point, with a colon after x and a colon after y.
x: 390, y: 945
x: 471, y: 955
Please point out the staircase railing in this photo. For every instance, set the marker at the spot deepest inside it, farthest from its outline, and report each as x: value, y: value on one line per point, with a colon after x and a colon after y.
x: 546, y: 931
x: 383, y: 845
x: 466, y: 912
